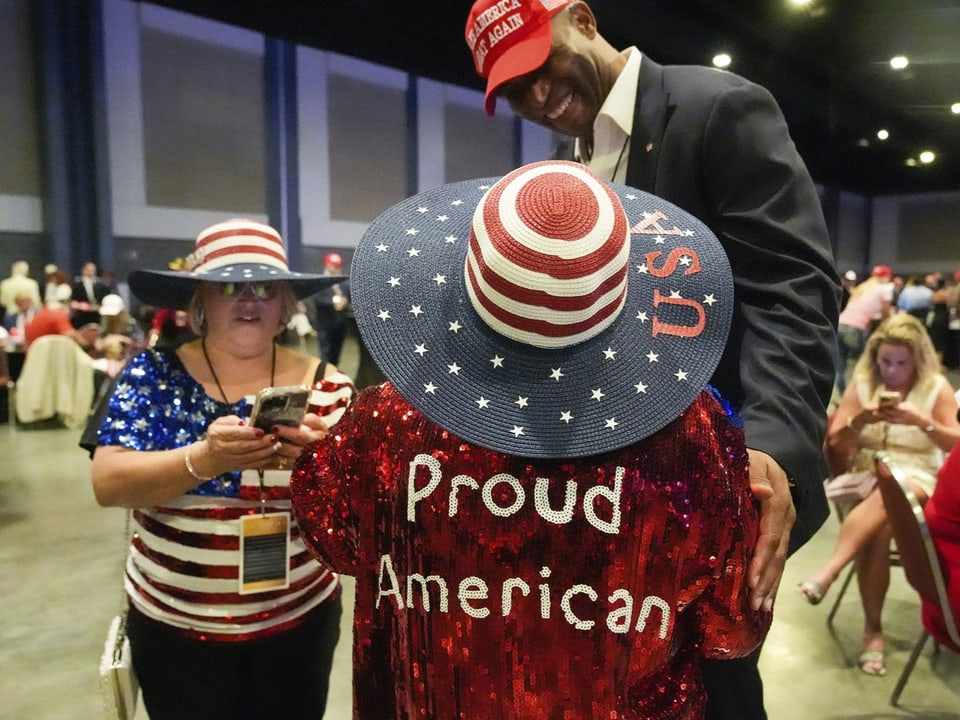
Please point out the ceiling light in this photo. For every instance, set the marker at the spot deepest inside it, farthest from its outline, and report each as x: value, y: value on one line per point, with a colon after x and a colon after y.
x: 955, y: 108
x: 911, y: 162
x: 882, y: 134
x: 722, y: 60
x: 927, y: 157
x: 799, y: 3
x: 899, y: 62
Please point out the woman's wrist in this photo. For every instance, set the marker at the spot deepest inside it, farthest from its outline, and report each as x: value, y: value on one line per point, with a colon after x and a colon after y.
x: 190, y: 456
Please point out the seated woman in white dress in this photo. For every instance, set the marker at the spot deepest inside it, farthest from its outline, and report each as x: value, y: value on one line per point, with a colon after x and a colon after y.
x: 915, y: 429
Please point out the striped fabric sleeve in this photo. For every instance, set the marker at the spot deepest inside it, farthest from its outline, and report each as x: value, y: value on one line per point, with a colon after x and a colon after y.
x: 330, y: 397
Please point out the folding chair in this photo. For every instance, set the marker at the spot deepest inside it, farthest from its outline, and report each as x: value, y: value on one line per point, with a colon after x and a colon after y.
x: 918, y: 556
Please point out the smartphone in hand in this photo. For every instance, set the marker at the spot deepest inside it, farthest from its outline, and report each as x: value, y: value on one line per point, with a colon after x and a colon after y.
x: 284, y: 405
x: 889, y: 398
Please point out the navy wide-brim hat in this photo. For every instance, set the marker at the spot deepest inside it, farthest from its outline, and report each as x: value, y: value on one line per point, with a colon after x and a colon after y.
x: 232, y: 251
x: 544, y: 314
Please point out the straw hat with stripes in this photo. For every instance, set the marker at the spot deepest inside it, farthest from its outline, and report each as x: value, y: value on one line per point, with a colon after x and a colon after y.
x: 545, y: 313
x: 232, y: 251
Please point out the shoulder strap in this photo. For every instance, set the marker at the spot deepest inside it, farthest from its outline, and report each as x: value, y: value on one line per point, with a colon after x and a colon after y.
x: 321, y: 370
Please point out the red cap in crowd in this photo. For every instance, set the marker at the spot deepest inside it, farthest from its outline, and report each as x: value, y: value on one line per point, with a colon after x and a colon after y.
x: 881, y: 271
x: 333, y: 259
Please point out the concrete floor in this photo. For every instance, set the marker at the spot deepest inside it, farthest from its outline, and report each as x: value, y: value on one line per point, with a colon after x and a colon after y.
x: 61, y: 554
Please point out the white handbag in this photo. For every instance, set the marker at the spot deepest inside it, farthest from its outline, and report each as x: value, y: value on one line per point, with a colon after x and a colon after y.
x: 118, y: 682
x: 119, y: 687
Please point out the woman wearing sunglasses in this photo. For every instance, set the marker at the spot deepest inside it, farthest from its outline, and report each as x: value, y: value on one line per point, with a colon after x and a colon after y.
x: 228, y: 614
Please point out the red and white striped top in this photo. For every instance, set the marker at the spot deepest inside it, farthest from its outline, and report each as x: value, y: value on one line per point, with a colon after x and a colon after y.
x: 184, y: 560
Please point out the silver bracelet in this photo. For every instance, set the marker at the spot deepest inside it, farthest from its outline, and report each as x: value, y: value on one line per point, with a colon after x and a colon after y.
x: 192, y: 471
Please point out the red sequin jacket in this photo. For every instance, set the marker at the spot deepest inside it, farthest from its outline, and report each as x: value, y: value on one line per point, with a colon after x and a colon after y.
x: 494, y: 587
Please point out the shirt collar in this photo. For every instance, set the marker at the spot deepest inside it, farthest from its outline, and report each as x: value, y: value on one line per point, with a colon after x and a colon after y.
x: 621, y: 100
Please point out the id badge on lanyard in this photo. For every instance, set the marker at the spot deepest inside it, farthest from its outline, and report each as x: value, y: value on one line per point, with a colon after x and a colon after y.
x: 263, y: 552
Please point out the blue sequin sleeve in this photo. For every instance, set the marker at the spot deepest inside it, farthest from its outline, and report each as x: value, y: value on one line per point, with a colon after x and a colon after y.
x: 731, y: 412
x: 157, y: 405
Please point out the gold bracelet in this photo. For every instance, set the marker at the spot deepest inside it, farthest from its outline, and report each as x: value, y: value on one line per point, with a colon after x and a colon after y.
x: 192, y: 471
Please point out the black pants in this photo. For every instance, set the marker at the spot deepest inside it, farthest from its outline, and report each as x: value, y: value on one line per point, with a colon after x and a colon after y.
x: 284, y: 676
x: 734, y: 689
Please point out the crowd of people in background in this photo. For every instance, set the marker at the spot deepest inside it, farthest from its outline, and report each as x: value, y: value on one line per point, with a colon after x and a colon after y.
x: 92, y: 309
x: 932, y: 297
x: 89, y: 309
x: 111, y: 326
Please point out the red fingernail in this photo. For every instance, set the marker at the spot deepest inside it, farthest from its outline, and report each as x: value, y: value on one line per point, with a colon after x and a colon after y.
x: 242, y: 422
x: 275, y: 438
x: 260, y: 433
x: 274, y: 428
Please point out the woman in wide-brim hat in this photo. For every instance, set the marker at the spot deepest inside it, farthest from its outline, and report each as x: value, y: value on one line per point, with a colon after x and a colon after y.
x: 229, y: 616
x: 545, y: 507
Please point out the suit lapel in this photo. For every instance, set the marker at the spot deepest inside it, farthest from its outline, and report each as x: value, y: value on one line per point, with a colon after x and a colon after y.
x: 651, y: 113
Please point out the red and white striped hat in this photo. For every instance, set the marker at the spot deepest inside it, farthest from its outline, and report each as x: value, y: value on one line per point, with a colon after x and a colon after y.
x: 237, y: 250
x: 545, y: 313
x: 548, y: 254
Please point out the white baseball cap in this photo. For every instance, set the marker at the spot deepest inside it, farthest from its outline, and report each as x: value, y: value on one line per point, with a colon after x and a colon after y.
x: 112, y: 305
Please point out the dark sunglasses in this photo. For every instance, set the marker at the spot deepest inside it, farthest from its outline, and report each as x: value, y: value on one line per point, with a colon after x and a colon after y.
x: 259, y: 290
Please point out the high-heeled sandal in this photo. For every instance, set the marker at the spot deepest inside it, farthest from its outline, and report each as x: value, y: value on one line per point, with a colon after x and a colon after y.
x: 811, y: 591
x: 873, y: 662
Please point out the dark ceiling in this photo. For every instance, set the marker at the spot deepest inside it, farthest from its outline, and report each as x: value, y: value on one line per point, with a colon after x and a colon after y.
x: 827, y: 65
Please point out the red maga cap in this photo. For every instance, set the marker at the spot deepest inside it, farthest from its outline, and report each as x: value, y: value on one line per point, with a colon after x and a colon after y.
x: 881, y: 271
x: 509, y: 38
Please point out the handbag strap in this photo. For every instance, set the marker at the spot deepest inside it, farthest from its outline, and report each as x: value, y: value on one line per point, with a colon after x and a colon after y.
x: 124, y: 603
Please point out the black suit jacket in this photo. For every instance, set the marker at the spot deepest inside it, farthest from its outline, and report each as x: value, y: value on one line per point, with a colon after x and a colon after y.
x: 100, y: 291
x: 80, y: 316
x: 717, y: 145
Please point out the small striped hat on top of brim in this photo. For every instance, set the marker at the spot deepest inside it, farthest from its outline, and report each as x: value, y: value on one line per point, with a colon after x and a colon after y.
x: 545, y: 313
x: 232, y: 251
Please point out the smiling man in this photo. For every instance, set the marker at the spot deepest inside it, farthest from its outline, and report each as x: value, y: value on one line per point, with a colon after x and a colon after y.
x: 716, y: 145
